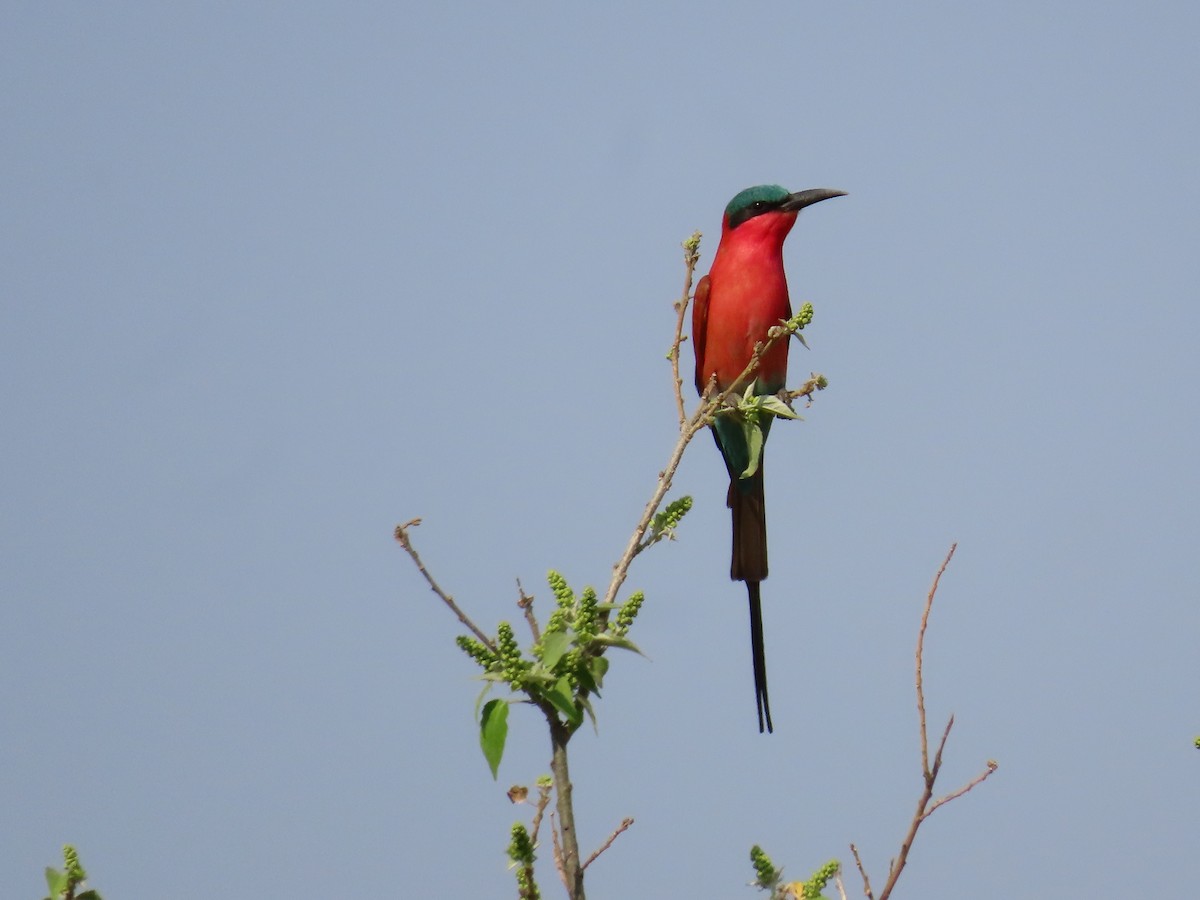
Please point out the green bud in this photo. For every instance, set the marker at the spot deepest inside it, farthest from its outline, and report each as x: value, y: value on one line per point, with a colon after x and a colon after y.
x: 510, y: 656
x: 627, y: 613
x: 820, y: 878
x: 668, y: 520
x: 562, y: 591
x: 477, y: 651
x: 764, y: 869
x: 74, y: 870
x: 585, y: 618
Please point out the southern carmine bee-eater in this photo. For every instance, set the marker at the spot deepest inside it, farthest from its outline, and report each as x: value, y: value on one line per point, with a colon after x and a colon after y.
x: 744, y: 294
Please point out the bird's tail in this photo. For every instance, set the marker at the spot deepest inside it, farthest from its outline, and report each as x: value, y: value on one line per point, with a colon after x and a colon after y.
x: 760, y: 659
x: 749, y: 559
x: 749, y: 564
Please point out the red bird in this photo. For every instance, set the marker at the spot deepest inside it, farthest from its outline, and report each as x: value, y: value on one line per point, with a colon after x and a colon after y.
x: 744, y: 294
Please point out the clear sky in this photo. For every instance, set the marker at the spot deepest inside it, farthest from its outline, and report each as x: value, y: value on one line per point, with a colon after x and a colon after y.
x: 275, y: 277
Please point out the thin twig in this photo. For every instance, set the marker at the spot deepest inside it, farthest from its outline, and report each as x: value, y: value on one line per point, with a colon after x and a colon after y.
x: 406, y: 543
x: 558, y: 854
x: 625, y: 823
x: 992, y: 765
x: 525, y: 602
x: 621, y: 569
x: 542, y: 802
x: 691, y: 255
x: 841, y: 887
x: 920, y: 652
x: 937, y: 757
x: 926, y: 805
x: 863, y: 873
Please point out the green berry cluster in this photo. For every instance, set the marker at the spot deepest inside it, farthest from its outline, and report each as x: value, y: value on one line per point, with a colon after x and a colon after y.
x: 820, y: 878
x: 803, y: 317
x: 571, y: 663
x: 71, y: 863
x: 477, y: 651
x: 668, y: 520
x: 520, y: 851
x: 764, y: 869
x: 511, y: 664
x: 585, y: 617
x: 562, y: 591
x: 520, y: 848
x: 627, y: 613
x: 564, y: 599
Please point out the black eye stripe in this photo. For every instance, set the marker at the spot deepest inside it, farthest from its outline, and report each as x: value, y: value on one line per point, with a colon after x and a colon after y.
x: 757, y: 208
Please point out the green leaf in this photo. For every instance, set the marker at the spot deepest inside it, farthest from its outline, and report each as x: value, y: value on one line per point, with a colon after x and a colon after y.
x: 88, y: 895
x: 591, y: 713
x: 57, y: 881
x: 754, y: 446
x: 539, y: 676
x: 777, y: 407
x: 554, y: 645
x: 493, y: 731
x: 609, y: 640
x: 563, y: 699
x: 593, y: 676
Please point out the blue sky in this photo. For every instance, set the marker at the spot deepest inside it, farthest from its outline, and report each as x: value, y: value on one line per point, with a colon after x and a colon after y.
x: 276, y: 277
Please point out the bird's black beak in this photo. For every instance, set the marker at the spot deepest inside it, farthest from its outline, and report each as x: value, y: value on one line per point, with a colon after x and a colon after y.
x: 797, y: 201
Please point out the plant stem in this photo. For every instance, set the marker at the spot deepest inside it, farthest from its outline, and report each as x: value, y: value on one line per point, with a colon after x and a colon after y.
x: 572, y: 870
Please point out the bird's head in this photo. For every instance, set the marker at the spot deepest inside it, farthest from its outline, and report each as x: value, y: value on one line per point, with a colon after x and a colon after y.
x: 770, y: 209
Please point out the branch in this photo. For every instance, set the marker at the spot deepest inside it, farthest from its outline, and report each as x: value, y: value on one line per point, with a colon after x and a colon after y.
x: 926, y: 805
x: 542, y: 802
x: 841, y: 888
x: 625, y: 823
x: 863, y: 873
x: 710, y: 402
x: 558, y: 854
x: 406, y: 543
x: 691, y: 255
x: 992, y: 766
x: 920, y: 652
x: 525, y: 602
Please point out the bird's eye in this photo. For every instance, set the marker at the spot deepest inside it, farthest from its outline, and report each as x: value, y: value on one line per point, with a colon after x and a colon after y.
x: 760, y: 204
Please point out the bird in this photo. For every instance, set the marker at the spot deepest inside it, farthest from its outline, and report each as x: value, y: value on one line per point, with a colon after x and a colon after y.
x: 744, y: 294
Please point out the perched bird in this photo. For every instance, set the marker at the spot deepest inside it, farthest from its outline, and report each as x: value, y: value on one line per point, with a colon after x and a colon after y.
x: 744, y: 294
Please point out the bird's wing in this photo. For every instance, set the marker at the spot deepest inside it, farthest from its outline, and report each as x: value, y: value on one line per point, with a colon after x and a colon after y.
x: 700, y: 331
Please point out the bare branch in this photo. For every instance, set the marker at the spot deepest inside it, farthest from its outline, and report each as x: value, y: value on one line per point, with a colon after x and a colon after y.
x: 992, y: 766
x: 635, y: 544
x: 711, y: 401
x: 937, y: 757
x: 925, y: 805
x: 863, y: 873
x: 558, y: 854
x: 406, y: 543
x: 525, y: 602
x: 625, y: 823
x: 920, y: 652
x: 691, y: 255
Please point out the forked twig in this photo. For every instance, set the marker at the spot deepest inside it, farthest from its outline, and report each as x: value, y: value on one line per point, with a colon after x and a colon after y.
x: 405, y: 542
x: 625, y: 823
x: 926, y: 805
